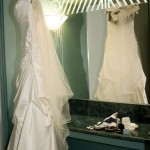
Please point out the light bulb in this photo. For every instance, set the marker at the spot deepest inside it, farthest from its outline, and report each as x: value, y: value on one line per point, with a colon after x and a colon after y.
x: 55, y: 21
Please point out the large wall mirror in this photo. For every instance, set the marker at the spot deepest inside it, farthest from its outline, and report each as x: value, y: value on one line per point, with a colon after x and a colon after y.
x: 83, y: 39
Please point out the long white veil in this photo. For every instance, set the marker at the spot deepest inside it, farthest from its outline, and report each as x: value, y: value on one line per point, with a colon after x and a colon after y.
x: 55, y: 83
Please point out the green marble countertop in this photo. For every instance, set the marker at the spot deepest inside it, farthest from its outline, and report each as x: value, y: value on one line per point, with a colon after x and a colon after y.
x: 79, y: 123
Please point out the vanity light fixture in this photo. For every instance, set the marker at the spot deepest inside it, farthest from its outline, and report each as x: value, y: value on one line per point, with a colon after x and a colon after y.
x: 55, y: 21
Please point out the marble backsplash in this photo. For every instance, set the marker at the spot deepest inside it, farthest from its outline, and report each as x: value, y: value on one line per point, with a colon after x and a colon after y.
x: 137, y: 113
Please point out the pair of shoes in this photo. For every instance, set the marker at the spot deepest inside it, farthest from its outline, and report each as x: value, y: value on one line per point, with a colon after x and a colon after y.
x: 109, y: 124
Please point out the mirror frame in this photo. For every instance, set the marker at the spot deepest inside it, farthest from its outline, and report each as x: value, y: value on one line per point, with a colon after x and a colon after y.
x: 3, y: 82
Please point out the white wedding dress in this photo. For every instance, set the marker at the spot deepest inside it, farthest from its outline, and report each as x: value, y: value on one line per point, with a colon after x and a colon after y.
x: 121, y: 78
x: 41, y: 103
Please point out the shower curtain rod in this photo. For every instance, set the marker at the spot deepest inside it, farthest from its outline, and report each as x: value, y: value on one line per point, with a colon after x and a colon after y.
x: 79, y: 6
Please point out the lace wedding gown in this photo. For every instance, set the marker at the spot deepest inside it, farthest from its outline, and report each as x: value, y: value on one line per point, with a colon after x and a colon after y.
x: 121, y: 78
x: 41, y: 103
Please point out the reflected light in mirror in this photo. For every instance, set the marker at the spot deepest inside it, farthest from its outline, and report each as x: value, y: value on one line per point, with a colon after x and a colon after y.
x: 55, y: 21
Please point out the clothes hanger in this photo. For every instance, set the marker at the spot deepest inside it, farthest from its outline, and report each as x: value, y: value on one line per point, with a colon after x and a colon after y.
x: 113, y: 12
x: 118, y: 5
x: 122, y: 4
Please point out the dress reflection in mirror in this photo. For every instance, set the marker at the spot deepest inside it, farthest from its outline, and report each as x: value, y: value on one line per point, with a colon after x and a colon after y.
x: 121, y: 78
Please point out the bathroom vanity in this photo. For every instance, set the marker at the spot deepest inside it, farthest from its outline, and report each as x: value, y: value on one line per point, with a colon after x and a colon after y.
x: 81, y: 138
x: 89, y: 142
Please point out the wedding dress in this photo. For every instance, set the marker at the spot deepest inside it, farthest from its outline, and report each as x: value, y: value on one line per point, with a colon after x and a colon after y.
x: 41, y: 103
x: 121, y: 78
